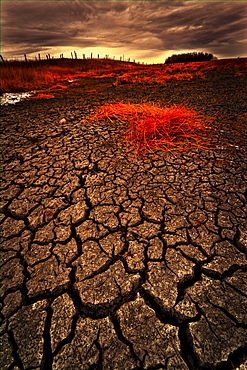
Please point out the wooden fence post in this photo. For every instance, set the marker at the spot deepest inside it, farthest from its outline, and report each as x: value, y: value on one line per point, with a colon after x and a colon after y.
x: 84, y: 57
x: 25, y: 57
x: 39, y: 56
x: 75, y: 55
x: 91, y: 55
x: 2, y: 59
x: 98, y: 56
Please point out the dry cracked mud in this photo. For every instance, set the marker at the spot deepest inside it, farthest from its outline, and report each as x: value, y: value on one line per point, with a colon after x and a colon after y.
x: 110, y: 262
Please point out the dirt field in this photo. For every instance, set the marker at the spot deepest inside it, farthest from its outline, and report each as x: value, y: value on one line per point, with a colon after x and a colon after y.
x: 113, y: 261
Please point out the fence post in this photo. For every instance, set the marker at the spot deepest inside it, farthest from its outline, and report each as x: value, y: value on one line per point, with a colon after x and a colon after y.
x: 84, y: 57
x: 91, y: 55
x: 39, y: 56
x: 71, y: 55
x: 2, y: 59
x: 98, y: 56
x: 25, y: 57
x: 75, y: 55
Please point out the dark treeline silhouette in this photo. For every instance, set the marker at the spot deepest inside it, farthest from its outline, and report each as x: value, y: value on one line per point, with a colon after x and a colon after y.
x: 190, y: 57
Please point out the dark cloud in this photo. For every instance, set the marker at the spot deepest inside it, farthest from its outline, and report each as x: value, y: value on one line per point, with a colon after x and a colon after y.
x: 141, y: 29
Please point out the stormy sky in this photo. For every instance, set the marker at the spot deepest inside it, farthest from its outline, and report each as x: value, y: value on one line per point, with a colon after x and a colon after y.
x: 147, y: 31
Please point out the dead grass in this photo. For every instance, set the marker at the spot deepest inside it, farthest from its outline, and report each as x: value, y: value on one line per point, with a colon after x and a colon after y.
x: 154, y: 77
x: 163, y: 74
x: 57, y: 87
x: 43, y: 96
x: 26, y: 76
x: 148, y: 127
x: 21, y: 78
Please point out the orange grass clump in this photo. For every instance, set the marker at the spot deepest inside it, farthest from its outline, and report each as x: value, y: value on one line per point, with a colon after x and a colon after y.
x: 149, y: 127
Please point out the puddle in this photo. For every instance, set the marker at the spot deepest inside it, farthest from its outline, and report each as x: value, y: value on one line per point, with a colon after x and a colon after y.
x: 13, y: 98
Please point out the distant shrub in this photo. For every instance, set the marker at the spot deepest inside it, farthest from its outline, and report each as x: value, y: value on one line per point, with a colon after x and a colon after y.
x: 189, y: 57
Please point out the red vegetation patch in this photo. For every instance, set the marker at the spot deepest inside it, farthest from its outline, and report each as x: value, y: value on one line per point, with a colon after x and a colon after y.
x: 150, y: 127
x: 152, y: 77
x: 57, y: 87
x: 43, y: 96
x: 105, y: 75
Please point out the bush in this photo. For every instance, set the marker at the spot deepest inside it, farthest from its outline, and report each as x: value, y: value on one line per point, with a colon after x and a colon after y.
x: 189, y: 57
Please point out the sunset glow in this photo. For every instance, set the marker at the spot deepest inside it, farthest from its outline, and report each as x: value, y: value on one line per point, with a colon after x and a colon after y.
x: 144, y: 31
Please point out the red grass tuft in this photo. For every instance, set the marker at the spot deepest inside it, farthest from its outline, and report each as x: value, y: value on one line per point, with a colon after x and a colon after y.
x: 150, y: 127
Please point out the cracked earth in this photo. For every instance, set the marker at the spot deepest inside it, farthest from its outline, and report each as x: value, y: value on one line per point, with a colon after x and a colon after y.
x: 111, y: 262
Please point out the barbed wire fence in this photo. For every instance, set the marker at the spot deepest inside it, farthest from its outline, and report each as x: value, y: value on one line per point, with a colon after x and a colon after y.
x: 73, y: 55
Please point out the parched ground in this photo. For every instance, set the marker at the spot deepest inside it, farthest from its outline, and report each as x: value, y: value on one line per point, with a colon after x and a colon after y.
x: 118, y: 262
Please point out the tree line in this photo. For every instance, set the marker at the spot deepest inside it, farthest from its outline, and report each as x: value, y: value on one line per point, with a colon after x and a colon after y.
x: 189, y: 57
